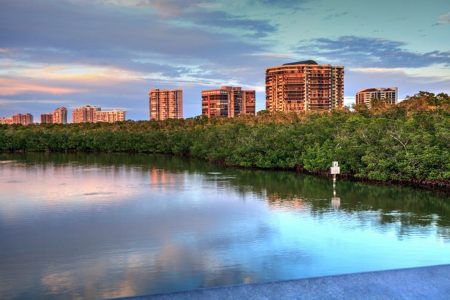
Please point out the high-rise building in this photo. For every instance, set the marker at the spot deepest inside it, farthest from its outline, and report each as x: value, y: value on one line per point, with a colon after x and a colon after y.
x: 165, y: 104
x: 228, y: 101
x: 60, y: 115
x: 110, y: 116
x: 84, y: 114
x: 24, y: 119
x: 46, y: 118
x: 387, y: 95
x: 304, y: 86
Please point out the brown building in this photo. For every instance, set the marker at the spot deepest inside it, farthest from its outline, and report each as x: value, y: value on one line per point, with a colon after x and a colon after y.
x: 165, y: 104
x: 60, y: 115
x: 228, y: 102
x: 84, y: 114
x: 110, y: 116
x: 24, y: 119
x: 304, y: 86
x: 366, y: 96
x: 46, y: 118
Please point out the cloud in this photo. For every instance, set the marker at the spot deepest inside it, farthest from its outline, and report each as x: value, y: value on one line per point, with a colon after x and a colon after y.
x: 335, y: 15
x: 434, y: 73
x: 199, y: 13
x: 370, y: 52
x: 72, y: 73
x: 100, y: 34
x: 88, y: 46
x: 275, y: 55
x: 10, y: 87
x: 283, y: 3
x: 444, y: 19
x: 164, y: 8
x: 41, y: 101
x: 220, y: 19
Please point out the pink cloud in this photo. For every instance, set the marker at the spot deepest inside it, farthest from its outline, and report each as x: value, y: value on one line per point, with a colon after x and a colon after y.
x: 9, y: 87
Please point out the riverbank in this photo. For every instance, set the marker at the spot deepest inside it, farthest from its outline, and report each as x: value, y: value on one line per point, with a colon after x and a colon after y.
x: 415, y: 283
x: 395, y: 146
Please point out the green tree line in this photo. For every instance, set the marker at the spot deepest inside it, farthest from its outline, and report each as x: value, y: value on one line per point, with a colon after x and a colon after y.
x: 406, y: 142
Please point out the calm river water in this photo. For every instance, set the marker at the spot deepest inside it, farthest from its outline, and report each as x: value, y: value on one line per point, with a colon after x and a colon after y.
x: 113, y: 225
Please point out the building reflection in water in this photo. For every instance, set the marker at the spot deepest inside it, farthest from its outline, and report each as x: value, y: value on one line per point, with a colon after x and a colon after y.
x: 277, y: 202
x: 161, y: 179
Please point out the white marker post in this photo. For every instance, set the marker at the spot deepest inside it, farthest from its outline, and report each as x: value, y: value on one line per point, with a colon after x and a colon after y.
x: 334, y: 170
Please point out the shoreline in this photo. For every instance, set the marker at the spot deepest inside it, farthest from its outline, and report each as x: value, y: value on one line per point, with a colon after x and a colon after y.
x: 436, y: 186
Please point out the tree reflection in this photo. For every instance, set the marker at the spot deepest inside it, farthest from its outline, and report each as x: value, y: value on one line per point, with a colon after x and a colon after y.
x: 408, y: 206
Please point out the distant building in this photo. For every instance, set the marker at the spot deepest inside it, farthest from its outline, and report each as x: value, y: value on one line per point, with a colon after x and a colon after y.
x: 6, y: 120
x: 84, y: 114
x: 46, y: 118
x: 387, y: 95
x: 24, y: 119
x: 110, y: 116
x: 304, y: 86
x: 228, y: 101
x: 165, y: 104
x: 60, y: 115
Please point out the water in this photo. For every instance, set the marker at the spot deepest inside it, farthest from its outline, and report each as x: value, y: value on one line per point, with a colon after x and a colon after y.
x: 112, y: 225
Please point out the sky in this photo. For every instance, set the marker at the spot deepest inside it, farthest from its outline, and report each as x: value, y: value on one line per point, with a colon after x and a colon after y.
x: 109, y: 53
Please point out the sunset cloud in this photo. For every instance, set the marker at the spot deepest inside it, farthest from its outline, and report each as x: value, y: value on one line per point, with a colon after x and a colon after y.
x: 10, y: 87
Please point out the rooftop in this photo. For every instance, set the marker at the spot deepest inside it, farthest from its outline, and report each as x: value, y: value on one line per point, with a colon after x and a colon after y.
x: 304, y: 62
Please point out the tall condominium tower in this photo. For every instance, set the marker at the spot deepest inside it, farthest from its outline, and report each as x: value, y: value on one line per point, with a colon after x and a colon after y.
x: 84, y: 114
x: 165, y: 104
x: 60, y: 115
x: 388, y: 95
x: 304, y: 86
x: 228, y: 101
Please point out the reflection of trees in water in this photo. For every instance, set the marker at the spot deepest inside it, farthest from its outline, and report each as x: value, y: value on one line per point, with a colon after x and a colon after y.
x: 409, y: 207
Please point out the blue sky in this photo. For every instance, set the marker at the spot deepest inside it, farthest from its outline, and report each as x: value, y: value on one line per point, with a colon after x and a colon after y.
x: 111, y: 52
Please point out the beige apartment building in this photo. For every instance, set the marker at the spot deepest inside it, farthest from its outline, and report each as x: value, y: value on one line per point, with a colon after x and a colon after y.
x: 84, y: 114
x: 110, y: 116
x: 228, y: 101
x: 165, y: 104
x: 387, y: 95
x: 304, y: 86
x: 59, y: 115
x: 94, y: 114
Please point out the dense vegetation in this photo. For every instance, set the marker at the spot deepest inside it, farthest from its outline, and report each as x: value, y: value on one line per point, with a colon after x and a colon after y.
x: 406, y: 142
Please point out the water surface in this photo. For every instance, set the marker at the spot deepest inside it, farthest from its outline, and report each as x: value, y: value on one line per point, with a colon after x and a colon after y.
x: 113, y: 225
